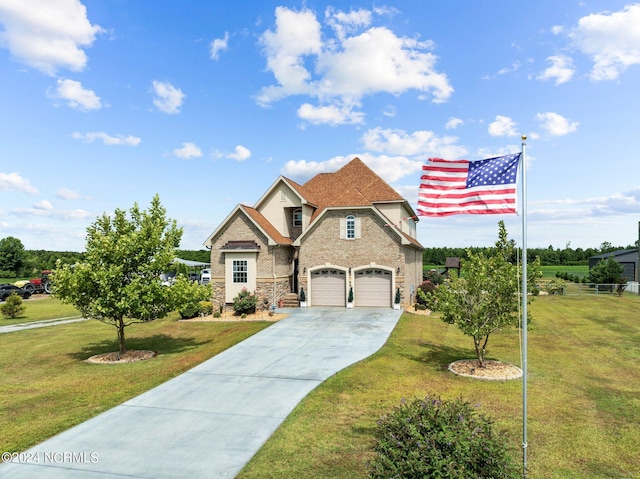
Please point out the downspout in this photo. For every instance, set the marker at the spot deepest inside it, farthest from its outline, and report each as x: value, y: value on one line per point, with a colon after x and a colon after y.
x: 273, y: 303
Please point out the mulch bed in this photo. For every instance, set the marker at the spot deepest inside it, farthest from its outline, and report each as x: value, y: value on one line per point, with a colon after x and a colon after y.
x: 121, y: 358
x: 493, y: 370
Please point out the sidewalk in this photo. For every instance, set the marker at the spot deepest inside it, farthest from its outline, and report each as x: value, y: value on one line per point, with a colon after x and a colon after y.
x: 210, y: 421
x: 38, y: 324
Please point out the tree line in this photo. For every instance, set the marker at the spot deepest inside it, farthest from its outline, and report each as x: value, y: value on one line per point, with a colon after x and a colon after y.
x: 549, y: 256
x: 18, y: 262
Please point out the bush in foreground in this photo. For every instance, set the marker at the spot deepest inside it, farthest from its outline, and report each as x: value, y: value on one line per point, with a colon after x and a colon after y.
x: 245, y: 302
x: 13, y: 307
x: 432, y: 438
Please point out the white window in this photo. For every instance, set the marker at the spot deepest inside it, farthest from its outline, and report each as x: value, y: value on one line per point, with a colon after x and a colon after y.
x: 351, y: 227
x: 297, y: 218
x: 240, y: 271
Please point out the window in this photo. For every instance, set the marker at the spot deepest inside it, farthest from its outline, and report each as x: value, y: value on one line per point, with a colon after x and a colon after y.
x: 297, y: 218
x: 240, y: 271
x: 351, y: 227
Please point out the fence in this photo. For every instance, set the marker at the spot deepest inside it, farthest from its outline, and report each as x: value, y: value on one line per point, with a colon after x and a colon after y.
x: 577, y: 289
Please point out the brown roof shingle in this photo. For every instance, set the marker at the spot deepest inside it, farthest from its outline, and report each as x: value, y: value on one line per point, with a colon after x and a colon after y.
x: 266, y: 226
x: 355, y: 184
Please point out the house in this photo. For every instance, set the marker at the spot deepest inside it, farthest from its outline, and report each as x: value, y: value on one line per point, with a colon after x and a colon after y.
x: 336, y: 232
x: 628, y: 258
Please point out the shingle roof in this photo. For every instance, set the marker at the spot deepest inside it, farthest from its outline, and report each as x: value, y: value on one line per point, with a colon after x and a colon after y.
x: 266, y: 226
x: 355, y: 184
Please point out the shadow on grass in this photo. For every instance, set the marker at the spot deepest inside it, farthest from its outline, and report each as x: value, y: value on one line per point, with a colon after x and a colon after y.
x: 440, y: 355
x: 160, y: 343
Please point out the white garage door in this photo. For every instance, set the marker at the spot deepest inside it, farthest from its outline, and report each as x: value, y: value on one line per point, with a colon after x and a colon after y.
x: 373, y: 288
x: 328, y: 287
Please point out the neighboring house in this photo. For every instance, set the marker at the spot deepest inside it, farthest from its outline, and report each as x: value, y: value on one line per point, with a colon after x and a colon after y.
x: 342, y: 230
x: 628, y: 258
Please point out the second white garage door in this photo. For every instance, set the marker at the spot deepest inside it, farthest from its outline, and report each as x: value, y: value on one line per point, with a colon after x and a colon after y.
x: 373, y: 288
x: 328, y: 287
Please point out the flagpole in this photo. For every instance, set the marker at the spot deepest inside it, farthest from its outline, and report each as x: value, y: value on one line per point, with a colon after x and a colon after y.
x: 524, y: 307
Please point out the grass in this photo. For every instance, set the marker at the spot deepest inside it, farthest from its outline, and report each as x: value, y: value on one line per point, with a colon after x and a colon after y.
x: 583, y: 400
x: 41, y: 309
x: 46, y: 387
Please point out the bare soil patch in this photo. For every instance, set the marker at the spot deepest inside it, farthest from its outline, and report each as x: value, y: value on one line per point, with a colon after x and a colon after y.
x: 120, y: 358
x: 493, y: 370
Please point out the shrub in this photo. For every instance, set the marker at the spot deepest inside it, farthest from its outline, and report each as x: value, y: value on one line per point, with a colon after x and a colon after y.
x: 397, y: 298
x: 424, y: 290
x: 350, y: 299
x: 429, y: 438
x: 434, y: 276
x: 13, y: 307
x: 217, y: 314
x: 302, y: 295
x: 206, y: 308
x: 187, y: 296
x: 245, y: 302
x: 556, y: 286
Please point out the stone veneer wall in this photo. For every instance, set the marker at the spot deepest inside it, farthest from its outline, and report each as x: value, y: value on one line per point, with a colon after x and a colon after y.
x: 241, y: 228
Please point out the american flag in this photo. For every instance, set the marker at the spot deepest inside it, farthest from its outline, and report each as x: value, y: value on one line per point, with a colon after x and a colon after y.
x: 451, y: 187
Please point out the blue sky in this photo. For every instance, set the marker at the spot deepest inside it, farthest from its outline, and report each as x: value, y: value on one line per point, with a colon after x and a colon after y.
x: 106, y: 102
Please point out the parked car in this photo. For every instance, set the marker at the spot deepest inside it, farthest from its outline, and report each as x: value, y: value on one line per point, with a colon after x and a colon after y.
x: 205, y: 276
x: 8, y: 289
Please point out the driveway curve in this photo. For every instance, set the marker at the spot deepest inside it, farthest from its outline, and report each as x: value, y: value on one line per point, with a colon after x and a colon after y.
x: 210, y: 421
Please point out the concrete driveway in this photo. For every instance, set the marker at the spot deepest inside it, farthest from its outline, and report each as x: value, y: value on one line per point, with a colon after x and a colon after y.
x: 209, y: 421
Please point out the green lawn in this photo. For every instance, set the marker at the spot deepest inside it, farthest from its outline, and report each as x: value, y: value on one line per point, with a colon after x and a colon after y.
x: 584, y: 387
x: 47, y: 387
x: 584, y: 394
x: 40, y: 309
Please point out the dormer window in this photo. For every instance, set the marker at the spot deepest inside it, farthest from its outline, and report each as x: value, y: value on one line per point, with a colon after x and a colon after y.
x: 297, y: 218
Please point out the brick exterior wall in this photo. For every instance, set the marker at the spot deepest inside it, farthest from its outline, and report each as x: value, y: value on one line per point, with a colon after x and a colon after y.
x: 377, y: 244
x: 241, y: 228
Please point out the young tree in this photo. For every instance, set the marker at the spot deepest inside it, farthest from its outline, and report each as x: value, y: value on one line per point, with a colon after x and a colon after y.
x: 118, y: 282
x: 607, y: 273
x: 12, y: 255
x: 485, y: 297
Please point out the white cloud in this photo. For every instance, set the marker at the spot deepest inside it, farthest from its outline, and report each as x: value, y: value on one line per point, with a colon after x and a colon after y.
x: 67, y: 194
x: 47, y: 34
x: 188, y: 150
x: 453, y: 123
x: 43, y: 205
x: 168, y: 98
x: 108, y: 140
x: 561, y: 69
x: 76, y: 97
x: 611, y: 39
x: 422, y: 144
x: 556, y: 124
x: 15, y: 182
x: 502, y: 126
x: 389, y: 168
x: 344, y: 23
x: 354, y: 63
x: 241, y: 153
x: 219, y: 45
x: 330, y: 114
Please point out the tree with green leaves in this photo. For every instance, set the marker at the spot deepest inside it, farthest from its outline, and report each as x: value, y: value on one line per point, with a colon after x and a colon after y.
x: 608, y: 273
x: 484, y: 298
x: 119, y: 282
x: 12, y: 256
